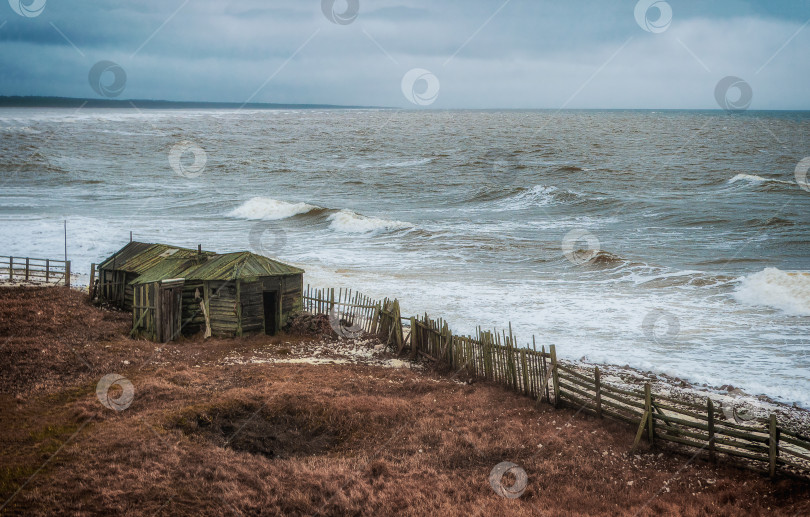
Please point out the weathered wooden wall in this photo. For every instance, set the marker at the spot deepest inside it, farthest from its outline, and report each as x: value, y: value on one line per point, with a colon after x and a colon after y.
x: 222, y: 301
x: 193, y: 317
x: 250, y: 293
x: 144, y: 311
x: 115, y: 288
x: 292, y: 301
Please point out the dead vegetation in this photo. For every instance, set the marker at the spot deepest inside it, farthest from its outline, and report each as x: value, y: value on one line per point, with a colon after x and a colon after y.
x: 206, y: 437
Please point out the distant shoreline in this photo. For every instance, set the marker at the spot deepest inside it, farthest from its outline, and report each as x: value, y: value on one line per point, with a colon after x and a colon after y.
x: 71, y: 102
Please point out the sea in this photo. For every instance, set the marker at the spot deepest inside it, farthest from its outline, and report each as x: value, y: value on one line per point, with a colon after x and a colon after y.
x: 671, y: 241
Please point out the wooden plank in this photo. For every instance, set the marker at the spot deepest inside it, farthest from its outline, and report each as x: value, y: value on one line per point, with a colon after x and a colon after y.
x: 598, y: 384
x: 773, y: 445
x: 565, y: 370
x: 648, y: 403
x: 627, y: 409
x: 640, y: 432
x: 629, y: 393
x: 710, y: 412
x: 587, y: 384
x: 554, y: 374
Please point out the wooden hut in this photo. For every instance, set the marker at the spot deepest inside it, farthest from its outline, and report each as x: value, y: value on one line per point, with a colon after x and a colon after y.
x: 117, y: 272
x: 232, y: 294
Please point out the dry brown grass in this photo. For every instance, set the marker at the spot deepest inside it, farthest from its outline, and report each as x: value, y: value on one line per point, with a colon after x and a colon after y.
x: 203, y: 438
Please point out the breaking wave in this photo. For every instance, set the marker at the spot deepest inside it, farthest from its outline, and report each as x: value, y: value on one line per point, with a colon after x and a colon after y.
x: 787, y: 291
x: 753, y: 179
x: 267, y: 209
x: 346, y: 221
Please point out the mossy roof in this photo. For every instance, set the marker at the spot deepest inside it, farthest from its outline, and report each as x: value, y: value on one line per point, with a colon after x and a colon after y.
x: 138, y: 257
x: 242, y: 264
x: 156, y: 262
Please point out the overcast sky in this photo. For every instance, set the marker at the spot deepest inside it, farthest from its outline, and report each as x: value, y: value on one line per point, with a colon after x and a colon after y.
x: 471, y: 53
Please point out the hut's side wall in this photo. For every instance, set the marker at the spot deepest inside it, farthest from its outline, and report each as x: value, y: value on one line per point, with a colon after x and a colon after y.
x: 292, y: 301
x: 222, y: 307
x: 107, y: 288
x: 193, y: 318
x: 115, y: 288
x: 128, y: 290
x: 252, y: 306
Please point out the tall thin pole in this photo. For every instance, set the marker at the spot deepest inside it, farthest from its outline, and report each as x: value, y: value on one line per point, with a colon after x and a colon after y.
x: 65, y: 240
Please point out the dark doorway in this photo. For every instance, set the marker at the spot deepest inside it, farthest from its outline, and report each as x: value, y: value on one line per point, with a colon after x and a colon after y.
x: 270, y: 312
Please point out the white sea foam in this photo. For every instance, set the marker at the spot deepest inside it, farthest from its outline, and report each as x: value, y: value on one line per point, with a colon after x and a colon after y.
x: 753, y: 178
x: 347, y: 221
x: 539, y: 195
x: 406, y: 163
x: 788, y: 291
x: 409, y: 163
x: 268, y: 209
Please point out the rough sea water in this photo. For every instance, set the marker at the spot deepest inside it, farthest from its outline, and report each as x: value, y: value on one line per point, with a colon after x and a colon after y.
x: 669, y: 241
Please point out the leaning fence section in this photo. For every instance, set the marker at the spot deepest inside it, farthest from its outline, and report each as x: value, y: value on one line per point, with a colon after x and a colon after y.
x: 34, y: 270
x: 701, y: 424
x: 349, y: 310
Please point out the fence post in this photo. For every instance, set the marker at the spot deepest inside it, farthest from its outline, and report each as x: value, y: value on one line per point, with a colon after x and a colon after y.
x: 67, y: 274
x: 331, y: 300
x: 376, y: 319
x: 598, y: 383
x: 90, y: 288
x: 553, y: 351
x: 11, y: 269
x: 710, y: 409
x: 525, y: 371
x: 773, y: 441
x: 545, y: 372
x: 26, y: 268
x: 47, y: 270
x: 414, y: 339
x: 649, y: 415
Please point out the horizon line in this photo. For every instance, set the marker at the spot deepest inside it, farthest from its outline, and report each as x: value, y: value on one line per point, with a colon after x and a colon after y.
x: 49, y: 101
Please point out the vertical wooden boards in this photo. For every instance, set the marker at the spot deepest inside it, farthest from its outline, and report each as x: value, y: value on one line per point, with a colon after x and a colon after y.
x: 555, y: 378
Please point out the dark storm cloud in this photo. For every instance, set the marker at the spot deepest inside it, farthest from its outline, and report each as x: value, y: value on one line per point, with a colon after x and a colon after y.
x: 484, y: 53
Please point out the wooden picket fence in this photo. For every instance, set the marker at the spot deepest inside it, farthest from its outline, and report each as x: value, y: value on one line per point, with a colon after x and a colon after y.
x: 350, y: 309
x: 34, y: 270
x: 496, y: 356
